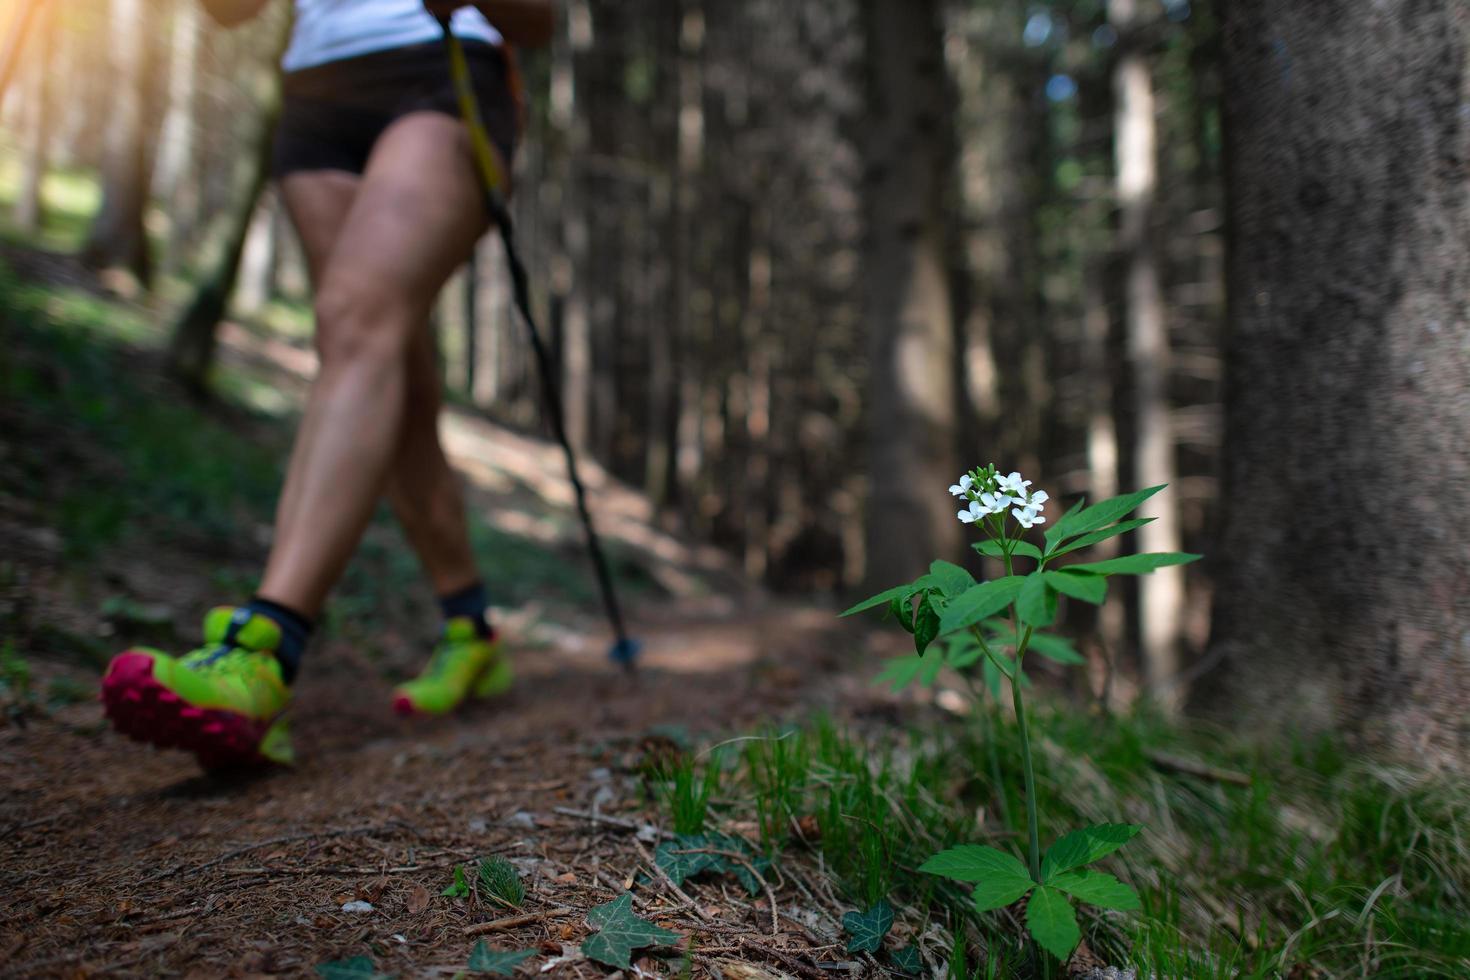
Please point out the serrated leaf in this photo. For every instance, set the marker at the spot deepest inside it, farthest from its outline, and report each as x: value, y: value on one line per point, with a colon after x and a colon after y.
x: 950, y: 579
x: 1085, y: 846
x: 906, y: 961
x: 926, y: 625
x: 1136, y: 564
x: 620, y: 932
x: 974, y: 862
x: 867, y: 929
x: 1036, y: 603
x: 998, y: 894
x: 356, y: 968
x: 1052, y: 923
x: 1096, y: 888
x: 882, y: 598
x: 991, y: 548
x: 979, y: 603
x: 501, y: 963
x: 1092, y: 538
x: 458, y: 888
x: 1088, y: 588
x: 1103, y: 513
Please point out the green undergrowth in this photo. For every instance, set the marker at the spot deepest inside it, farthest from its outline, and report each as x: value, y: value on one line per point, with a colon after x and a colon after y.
x: 1325, y: 862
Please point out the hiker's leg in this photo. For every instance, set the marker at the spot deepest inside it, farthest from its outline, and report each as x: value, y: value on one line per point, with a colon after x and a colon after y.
x: 416, y: 215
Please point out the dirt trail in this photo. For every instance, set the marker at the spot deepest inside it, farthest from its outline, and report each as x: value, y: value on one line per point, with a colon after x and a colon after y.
x: 120, y: 860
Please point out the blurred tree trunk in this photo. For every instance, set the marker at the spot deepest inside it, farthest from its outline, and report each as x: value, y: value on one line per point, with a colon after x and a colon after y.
x: 1161, y: 595
x: 35, y: 134
x: 117, y: 238
x: 571, y: 269
x: 191, y: 349
x: 910, y: 518
x: 1342, y: 567
x: 175, y: 179
x: 257, y: 274
x: 17, y: 27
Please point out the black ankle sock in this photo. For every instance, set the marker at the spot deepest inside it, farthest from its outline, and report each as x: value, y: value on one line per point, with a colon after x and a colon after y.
x: 295, y: 632
x: 470, y: 602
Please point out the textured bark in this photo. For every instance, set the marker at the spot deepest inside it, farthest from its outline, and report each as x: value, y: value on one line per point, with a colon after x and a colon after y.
x: 1342, y: 597
x: 910, y: 518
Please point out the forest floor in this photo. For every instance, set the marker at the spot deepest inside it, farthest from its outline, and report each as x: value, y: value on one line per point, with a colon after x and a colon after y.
x: 121, y: 860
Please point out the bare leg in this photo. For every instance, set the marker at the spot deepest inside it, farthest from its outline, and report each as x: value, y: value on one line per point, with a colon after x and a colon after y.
x: 415, y: 215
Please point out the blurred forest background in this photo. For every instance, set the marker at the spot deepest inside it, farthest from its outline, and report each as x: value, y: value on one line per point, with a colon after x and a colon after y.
x: 802, y: 263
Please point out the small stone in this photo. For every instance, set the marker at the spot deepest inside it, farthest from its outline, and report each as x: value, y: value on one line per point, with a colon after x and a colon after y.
x: 358, y: 906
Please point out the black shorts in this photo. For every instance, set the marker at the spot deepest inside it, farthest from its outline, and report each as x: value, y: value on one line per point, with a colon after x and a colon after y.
x: 332, y: 114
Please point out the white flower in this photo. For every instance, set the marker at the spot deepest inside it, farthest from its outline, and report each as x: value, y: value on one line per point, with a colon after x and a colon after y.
x: 972, y: 515
x: 995, y: 503
x: 1027, y: 516
x: 959, y: 489
x: 1013, y: 485
x: 1036, y: 500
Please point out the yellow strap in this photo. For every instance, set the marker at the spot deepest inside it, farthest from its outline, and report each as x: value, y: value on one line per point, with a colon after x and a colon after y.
x: 486, y: 159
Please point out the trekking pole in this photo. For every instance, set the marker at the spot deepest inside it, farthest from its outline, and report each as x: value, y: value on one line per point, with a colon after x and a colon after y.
x: 624, y: 649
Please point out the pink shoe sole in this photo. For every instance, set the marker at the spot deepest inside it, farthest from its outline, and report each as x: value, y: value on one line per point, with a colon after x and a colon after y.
x: 146, y: 711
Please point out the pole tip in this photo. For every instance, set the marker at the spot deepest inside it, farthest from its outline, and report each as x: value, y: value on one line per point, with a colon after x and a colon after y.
x: 625, y: 651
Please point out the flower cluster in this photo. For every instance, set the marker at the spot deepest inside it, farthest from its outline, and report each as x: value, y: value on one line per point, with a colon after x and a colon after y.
x: 989, y: 493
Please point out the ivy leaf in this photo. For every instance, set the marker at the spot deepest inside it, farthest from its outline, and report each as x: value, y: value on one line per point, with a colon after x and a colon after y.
x: 867, y: 929
x: 926, y: 625
x: 502, y: 963
x: 950, y: 579
x: 1088, y: 540
x: 903, y: 671
x: 906, y: 961
x: 689, y: 854
x: 1052, y: 922
x: 458, y: 888
x: 1088, y: 588
x: 888, y: 595
x: 1085, y: 846
x: 991, y: 548
x: 620, y: 932
x: 1037, y: 602
x: 356, y: 968
x: 675, y: 860
x: 1096, y: 888
x: 979, y: 603
x: 1136, y: 564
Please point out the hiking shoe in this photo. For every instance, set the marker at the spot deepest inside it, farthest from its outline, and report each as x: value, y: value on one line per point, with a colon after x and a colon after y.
x: 464, y: 663
x: 223, y: 702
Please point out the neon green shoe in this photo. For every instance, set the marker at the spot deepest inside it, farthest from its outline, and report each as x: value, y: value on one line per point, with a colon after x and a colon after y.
x: 464, y: 663
x: 224, y: 702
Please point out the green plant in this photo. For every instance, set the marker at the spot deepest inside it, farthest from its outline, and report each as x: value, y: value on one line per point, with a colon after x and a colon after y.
x: 501, y: 883
x: 688, y: 794
x: 995, y: 624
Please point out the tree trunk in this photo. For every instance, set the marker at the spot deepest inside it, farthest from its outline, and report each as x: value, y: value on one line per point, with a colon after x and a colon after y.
x: 117, y: 237
x: 175, y: 179
x: 36, y: 121
x: 1345, y: 553
x: 910, y: 517
x: 257, y: 273
x: 1161, y: 595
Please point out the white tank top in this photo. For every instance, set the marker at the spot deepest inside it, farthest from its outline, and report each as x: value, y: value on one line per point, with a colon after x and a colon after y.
x: 329, y: 30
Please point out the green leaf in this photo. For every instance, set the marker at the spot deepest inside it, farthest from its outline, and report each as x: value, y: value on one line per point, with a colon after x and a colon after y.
x: 962, y: 650
x: 1096, y: 888
x: 620, y: 932
x: 888, y: 595
x: 1135, y: 564
x: 974, y: 862
x: 903, y: 671
x: 1055, y: 648
x: 458, y: 888
x: 867, y: 929
x: 1037, y: 602
x: 356, y: 968
x: 1052, y: 922
x: 999, y: 893
x: 926, y: 625
x: 1088, y: 540
x: 1085, y: 846
x: 979, y: 603
x: 1103, y: 514
x: 1088, y: 588
x: 906, y: 961
x: 502, y: 963
x: 1054, y: 533
x: 950, y: 579
x: 674, y: 859
x: 688, y: 855
x: 991, y: 548
x: 903, y: 611
x: 500, y: 882
x: 992, y: 677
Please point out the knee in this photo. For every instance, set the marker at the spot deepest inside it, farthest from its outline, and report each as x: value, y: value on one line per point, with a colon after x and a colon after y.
x: 360, y: 323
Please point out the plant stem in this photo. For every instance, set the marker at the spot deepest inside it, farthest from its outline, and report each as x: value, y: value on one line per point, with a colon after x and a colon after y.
x: 1032, y: 832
